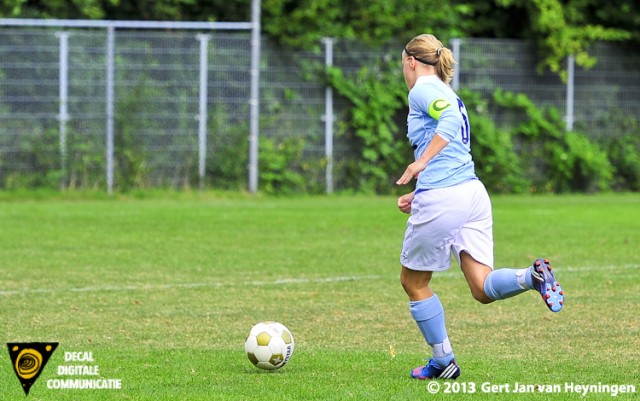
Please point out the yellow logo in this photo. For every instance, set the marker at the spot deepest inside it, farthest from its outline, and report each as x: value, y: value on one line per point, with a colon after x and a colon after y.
x: 436, y: 107
x: 28, y: 360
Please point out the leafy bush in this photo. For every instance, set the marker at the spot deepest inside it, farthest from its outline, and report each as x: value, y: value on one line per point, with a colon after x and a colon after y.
x: 279, y: 166
x: 580, y: 165
x: 624, y: 155
x: 548, y: 158
x: 40, y: 155
x: 376, y: 97
x: 569, y: 161
x: 495, y: 159
x: 39, y: 162
x: 228, y: 156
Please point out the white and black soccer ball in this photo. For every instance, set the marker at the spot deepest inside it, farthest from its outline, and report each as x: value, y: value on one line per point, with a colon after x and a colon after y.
x: 269, y: 345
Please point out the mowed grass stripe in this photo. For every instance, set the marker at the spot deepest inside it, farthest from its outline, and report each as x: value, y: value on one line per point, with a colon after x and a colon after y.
x: 565, y: 271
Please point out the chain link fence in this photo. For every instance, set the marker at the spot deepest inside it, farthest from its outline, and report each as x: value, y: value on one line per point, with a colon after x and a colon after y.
x: 588, y: 100
x: 54, y: 104
x: 63, y: 91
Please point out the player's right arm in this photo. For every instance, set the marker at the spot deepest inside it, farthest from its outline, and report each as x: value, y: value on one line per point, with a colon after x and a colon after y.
x: 435, y: 146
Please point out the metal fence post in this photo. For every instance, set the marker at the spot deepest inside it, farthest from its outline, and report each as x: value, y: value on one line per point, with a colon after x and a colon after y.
x: 254, y: 101
x: 455, y: 48
x: 202, y: 117
x: 63, y: 115
x: 109, y: 104
x: 328, y: 117
x: 571, y: 66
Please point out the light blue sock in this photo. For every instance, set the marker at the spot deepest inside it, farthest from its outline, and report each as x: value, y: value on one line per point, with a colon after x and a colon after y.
x: 429, y: 316
x: 506, y: 283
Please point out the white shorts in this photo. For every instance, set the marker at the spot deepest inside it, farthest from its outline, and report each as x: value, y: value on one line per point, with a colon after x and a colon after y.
x: 448, y: 220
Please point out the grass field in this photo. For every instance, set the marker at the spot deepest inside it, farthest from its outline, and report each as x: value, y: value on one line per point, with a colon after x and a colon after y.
x: 162, y: 290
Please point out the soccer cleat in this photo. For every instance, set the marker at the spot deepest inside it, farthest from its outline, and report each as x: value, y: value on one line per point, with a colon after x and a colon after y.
x: 433, y: 371
x: 545, y: 283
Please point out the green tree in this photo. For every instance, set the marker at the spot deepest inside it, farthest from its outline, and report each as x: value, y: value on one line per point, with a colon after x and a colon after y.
x: 303, y: 23
x: 567, y: 28
x: 66, y: 9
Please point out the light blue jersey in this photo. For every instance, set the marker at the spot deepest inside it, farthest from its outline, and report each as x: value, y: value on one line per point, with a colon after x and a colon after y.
x: 435, y: 107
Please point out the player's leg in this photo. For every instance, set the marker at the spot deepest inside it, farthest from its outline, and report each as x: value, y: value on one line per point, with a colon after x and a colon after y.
x: 473, y: 248
x: 436, y: 215
x: 428, y: 314
x: 416, y: 284
x: 475, y: 273
x: 489, y: 285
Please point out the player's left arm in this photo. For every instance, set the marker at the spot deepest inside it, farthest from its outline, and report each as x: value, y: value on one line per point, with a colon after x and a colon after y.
x: 404, y: 202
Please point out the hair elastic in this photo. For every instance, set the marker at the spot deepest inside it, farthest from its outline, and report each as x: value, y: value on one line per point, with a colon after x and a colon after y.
x: 423, y: 61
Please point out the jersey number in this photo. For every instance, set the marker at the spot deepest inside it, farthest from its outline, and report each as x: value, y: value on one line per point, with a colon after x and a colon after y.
x: 466, y: 131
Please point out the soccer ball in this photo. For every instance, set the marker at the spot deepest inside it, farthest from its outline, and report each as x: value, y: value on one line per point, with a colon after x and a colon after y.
x: 269, y: 345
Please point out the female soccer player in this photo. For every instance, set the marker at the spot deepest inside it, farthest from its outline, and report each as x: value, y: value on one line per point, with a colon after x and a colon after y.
x: 450, y: 208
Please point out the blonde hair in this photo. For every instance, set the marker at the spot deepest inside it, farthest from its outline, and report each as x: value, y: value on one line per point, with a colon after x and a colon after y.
x: 427, y: 49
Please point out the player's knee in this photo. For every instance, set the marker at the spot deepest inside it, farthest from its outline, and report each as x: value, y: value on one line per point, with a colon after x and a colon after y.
x: 480, y: 296
x: 409, y: 286
x: 416, y: 283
